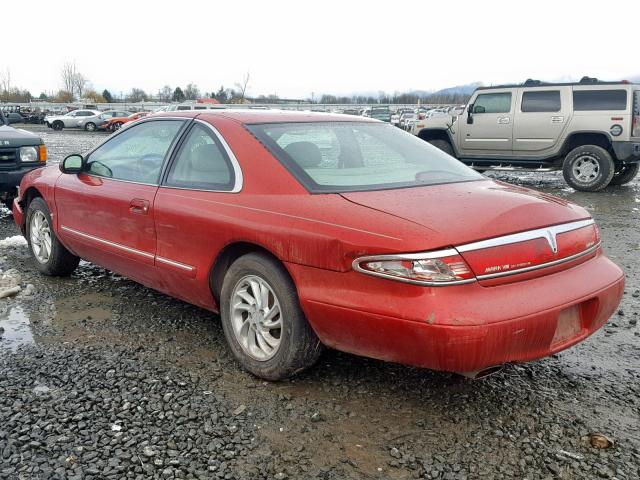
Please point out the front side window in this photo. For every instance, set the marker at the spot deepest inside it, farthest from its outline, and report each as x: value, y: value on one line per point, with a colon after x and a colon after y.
x: 492, y: 103
x: 136, y: 154
x: 586, y: 100
x: 331, y: 157
x: 202, y: 163
x: 541, y: 101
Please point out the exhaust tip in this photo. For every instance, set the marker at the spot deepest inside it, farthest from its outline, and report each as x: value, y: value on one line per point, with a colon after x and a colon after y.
x: 482, y: 373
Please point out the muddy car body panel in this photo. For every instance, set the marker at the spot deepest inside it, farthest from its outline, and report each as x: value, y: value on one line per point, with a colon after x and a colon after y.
x: 347, y: 250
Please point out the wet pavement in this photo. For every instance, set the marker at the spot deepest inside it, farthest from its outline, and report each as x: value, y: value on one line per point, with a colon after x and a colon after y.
x: 101, y: 377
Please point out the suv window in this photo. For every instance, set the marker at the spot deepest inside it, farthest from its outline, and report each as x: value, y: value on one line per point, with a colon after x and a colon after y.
x: 584, y: 100
x: 492, y: 103
x: 202, y: 163
x: 137, y: 154
x: 183, y: 107
x: 541, y: 101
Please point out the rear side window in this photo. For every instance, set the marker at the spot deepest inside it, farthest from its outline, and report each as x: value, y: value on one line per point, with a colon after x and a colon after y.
x: 184, y: 107
x: 585, y: 100
x: 201, y: 163
x: 492, y: 103
x: 541, y: 101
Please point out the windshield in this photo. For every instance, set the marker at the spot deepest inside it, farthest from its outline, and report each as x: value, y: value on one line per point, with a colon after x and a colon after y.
x: 352, y: 156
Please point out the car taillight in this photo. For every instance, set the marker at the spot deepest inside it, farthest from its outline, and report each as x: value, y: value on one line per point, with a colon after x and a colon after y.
x: 635, y: 126
x: 439, y: 268
x: 531, y: 250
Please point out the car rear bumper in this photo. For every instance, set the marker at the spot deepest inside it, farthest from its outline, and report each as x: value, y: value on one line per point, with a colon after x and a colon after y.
x: 460, y: 328
x: 628, y: 152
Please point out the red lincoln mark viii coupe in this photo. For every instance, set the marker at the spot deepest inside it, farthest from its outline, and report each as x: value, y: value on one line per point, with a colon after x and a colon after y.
x: 306, y: 230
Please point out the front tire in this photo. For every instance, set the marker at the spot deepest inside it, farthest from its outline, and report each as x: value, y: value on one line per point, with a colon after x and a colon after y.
x: 262, y: 320
x: 116, y: 126
x: 588, y: 168
x: 51, y: 257
x: 90, y: 127
x: 625, y: 174
x: 443, y: 145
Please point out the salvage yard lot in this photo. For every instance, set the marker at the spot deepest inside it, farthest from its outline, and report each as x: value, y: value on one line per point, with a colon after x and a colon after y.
x: 103, y: 378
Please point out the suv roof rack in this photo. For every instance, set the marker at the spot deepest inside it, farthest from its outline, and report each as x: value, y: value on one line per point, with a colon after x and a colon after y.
x: 530, y: 82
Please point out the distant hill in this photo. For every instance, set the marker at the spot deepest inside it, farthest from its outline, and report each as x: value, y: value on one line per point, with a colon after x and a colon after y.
x: 467, y: 89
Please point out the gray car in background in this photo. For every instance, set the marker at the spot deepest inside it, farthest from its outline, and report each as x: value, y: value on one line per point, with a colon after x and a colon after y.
x: 71, y: 119
x: 91, y: 123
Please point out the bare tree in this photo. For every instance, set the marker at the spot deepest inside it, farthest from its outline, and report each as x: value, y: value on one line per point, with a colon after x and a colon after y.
x: 79, y: 84
x: 137, y: 95
x: 68, y: 74
x: 164, y: 94
x: 5, y: 80
x: 191, y: 92
x: 242, y: 87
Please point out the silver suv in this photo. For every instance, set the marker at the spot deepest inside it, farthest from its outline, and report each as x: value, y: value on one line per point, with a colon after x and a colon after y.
x: 590, y: 130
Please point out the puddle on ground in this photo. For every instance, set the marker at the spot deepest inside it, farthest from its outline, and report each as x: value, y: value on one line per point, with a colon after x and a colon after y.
x: 17, y: 329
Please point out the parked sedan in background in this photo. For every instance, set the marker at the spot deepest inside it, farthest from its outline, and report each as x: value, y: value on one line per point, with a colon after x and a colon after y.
x: 69, y: 120
x: 92, y: 123
x: 115, y: 123
x: 310, y: 229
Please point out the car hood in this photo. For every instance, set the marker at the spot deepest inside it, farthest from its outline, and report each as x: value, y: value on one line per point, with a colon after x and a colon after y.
x: 15, y: 137
x: 459, y: 213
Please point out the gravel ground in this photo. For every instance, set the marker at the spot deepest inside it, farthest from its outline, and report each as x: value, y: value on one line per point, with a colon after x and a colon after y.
x: 103, y: 378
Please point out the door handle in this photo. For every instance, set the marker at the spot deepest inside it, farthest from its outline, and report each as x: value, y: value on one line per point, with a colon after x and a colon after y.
x: 139, y: 206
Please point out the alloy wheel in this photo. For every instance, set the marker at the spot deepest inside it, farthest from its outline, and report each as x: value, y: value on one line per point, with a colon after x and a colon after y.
x: 256, y: 317
x: 40, y: 236
x: 586, y: 168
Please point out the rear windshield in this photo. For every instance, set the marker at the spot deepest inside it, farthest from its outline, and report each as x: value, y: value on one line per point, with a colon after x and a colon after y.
x: 336, y: 157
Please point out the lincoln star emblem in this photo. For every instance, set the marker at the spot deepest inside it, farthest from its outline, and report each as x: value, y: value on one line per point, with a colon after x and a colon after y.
x: 551, y: 239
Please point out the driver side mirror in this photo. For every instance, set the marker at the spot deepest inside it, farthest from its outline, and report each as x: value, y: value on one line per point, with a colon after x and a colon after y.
x: 72, y: 164
x: 469, y: 114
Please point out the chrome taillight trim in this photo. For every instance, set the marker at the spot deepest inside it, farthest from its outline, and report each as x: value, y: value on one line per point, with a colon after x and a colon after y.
x: 545, y: 232
x: 542, y: 265
x: 409, y: 256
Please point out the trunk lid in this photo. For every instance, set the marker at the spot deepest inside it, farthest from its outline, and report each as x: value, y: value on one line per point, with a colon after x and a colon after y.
x: 501, y: 230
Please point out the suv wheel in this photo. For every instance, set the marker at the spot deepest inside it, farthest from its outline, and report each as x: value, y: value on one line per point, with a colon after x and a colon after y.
x: 262, y: 320
x: 625, y: 174
x: 90, y: 127
x: 443, y: 145
x: 52, y: 258
x: 588, y: 168
x: 57, y: 125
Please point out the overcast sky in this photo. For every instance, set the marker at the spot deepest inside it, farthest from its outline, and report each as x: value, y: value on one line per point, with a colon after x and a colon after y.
x: 294, y: 48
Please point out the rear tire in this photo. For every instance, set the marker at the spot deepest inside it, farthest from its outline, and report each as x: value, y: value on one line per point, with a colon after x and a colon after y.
x: 588, y: 168
x: 57, y: 126
x: 443, y: 145
x: 40, y: 234
x: 297, y: 348
x: 625, y: 174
